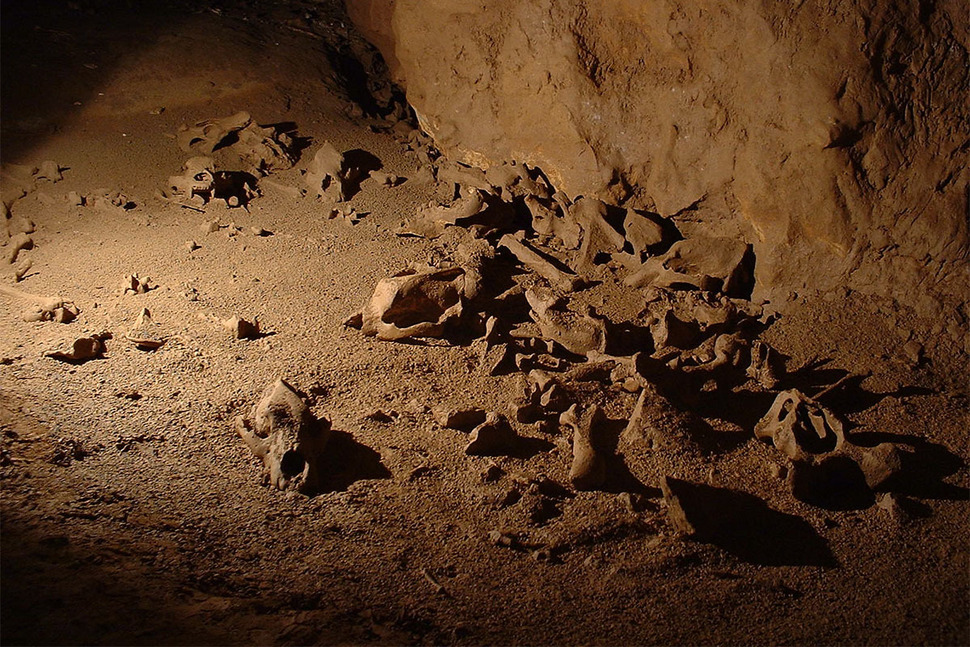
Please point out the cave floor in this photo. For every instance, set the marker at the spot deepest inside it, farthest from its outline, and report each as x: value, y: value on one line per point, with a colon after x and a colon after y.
x: 133, y: 514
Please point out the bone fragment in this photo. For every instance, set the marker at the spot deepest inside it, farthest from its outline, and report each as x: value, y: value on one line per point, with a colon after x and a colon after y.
x: 588, y: 469
x: 562, y: 280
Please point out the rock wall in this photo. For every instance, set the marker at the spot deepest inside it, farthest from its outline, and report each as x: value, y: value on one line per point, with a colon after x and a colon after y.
x: 830, y: 135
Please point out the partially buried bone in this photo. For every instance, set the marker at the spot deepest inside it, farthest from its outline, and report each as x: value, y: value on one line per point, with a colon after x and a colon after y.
x: 702, y: 263
x: 81, y: 350
x: 197, y: 180
x: 494, y: 437
x: 577, y: 333
x: 145, y: 334
x: 599, y: 236
x: 328, y: 174
x: 43, y: 308
x: 431, y: 220
x: 559, y: 277
x: 283, y: 433
x: 414, y: 304
x: 207, y: 136
x: 588, y: 469
x: 474, y: 256
x: 16, y: 244
x: 800, y: 427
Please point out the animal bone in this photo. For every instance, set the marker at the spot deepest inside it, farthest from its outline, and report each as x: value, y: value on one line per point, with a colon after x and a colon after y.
x: 328, y: 173
x: 599, y: 236
x: 562, y: 279
x: 414, y: 304
x: 701, y: 262
x: 144, y: 334
x: 198, y: 179
x: 641, y: 232
x: 44, y: 308
x: 588, y: 470
x: 283, y: 433
x: 800, y: 427
x: 494, y: 437
x: 577, y: 333
x: 474, y: 256
x: 766, y: 366
x: 207, y: 136
x: 16, y: 244
x: 82, y: 349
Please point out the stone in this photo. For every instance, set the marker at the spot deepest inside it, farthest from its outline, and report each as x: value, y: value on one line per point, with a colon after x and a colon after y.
x: 145, y: 334
x: 817, y: 186
x: 135, y: 284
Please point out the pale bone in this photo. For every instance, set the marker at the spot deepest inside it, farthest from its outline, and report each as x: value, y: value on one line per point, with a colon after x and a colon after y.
x: 641, y: 232
x: 588, y: 469
x: 700, y: 262
x: 328, y: 173
x: 198, y: 179
x: 414, y: 304
x: 494, y: 437
x: 43, y: 308
x: 430, y: 221
x: 800, y: 427
x: 283, y: 433
x: 205, y: 136
x: 766, y: 365
x: 473, y: 256
x: 16, y: 244
x: 728, y: 350
x: 82, y: 350
x: 599, y: 236
x: 144, y: 334
x: 577, y: 333
x: 565, y: 281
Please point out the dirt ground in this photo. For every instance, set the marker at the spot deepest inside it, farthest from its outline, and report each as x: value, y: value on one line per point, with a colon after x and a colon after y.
x: 133, y: 514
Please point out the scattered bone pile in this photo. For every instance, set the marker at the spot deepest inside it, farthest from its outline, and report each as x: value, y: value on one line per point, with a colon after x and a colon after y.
x: 237, y: 141
x: 696, y: 333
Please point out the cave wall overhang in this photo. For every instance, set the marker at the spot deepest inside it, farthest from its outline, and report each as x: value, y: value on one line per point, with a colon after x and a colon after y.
x: 831, y: 136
